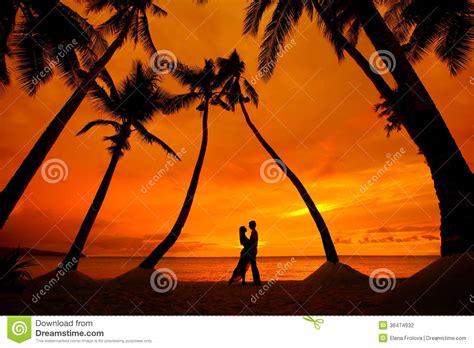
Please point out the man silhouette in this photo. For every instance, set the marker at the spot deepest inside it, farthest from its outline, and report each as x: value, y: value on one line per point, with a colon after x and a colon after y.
x: 252, y: 253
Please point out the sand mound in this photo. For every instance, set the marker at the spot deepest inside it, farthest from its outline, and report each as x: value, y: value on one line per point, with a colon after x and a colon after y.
x: 336, y: 274
x: 443, y: 287
x: 137, y: 277
x: 70, y: 280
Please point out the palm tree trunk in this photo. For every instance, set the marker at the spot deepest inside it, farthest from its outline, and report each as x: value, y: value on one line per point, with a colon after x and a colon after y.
x: 329, y: 249
x: 453, y: 179
x: 17, y: 185
x: 77, y: 247
x: 156, y: 255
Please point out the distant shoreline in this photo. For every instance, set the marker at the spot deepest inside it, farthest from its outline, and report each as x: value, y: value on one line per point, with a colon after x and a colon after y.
x: 236, y: 256
x: 32, y: 252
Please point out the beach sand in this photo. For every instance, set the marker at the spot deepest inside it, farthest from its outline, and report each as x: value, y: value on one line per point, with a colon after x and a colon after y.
x: 444, y: 287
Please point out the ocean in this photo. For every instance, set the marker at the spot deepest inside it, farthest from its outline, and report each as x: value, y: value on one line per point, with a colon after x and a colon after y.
x: 220, y: 268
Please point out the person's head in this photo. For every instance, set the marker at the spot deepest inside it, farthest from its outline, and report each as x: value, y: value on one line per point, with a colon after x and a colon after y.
x: 252, y: 224
x: 242, y: 231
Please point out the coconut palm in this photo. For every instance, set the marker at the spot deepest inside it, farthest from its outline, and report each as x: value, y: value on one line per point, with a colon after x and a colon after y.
x: 130, y: 106
x: 29, y: 35
x: 202, y: 86
x: 9, y: 9
x: 442, y: 26
x: 237, y: 89
x: 128, y: 20
x: 409, y: 105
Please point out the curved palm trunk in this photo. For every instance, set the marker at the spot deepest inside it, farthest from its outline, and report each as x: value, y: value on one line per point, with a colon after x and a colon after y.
x: 156, y: 255
x: 453, y: 179
x: 329, y: 249
x: 15, y: 188
x: 77, y: 247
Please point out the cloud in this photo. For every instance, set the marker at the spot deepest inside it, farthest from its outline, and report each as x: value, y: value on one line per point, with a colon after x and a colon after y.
x: 342, y: 240
x: 407, y: 228
x: 392, y: 239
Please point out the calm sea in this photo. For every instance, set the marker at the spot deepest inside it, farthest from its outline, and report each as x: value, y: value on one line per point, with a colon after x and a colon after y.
x: 220, y: 268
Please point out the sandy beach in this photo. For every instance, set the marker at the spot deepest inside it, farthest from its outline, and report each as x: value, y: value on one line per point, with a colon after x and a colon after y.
x: 444, y: 287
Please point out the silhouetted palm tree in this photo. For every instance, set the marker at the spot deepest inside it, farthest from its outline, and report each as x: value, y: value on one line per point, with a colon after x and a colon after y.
x: 232, y: 69
x: 129, y: 19
x: 8, y: 9
x: 410, y: 105
x: 202, y: 86
x: 131, y: 106
x: 29, y: 35
x: 442, y: 26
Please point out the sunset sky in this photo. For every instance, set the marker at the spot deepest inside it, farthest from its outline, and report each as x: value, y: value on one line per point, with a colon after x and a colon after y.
x: 316, y: 112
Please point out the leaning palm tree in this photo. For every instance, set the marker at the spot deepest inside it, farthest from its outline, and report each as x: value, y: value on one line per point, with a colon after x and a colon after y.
x: 128, y: 20
x: 445, y: 25
x: 237, y: 89
x: 131, y: 106
x: 202, y: 86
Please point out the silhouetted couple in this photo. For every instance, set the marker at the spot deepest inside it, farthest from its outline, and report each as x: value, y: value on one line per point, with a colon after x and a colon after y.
x: 248, y: 256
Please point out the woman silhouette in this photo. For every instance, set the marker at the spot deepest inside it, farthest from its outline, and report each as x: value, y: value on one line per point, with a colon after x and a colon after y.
x: 244, y: 261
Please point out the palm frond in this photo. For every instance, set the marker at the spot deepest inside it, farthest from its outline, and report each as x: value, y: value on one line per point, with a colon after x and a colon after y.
x: 254, y: 14
x: 444, y: 26
x: 179, y: 102
x: 186, y: 75
x: 251, y: 92
x: 9, y: 9
x: 216, y: 100
x: 30, y: 54
x: 117, y: 126
x: 153, y: 139
x: 455, y: 45
x: 145, y: 35
x: 285, y: 16
x: 158, y: 11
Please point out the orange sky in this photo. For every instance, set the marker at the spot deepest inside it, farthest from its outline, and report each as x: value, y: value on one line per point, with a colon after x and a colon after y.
x: 318, y: 114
